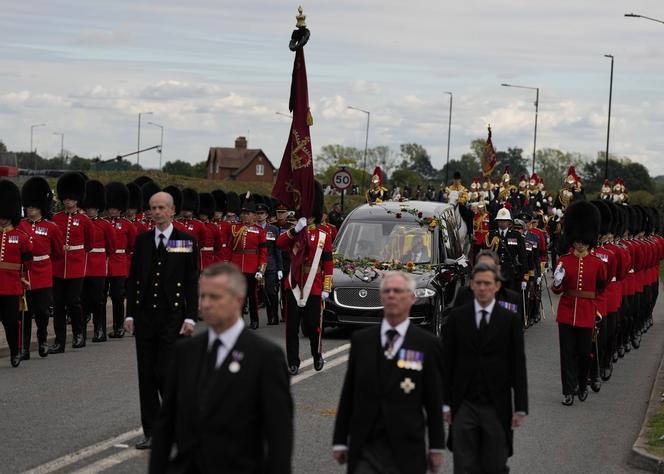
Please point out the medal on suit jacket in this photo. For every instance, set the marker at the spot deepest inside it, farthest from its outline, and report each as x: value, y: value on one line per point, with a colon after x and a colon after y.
x: 508, y: 306
x: 180, y: 246
x: 411, y: 360
x: 234, y: 366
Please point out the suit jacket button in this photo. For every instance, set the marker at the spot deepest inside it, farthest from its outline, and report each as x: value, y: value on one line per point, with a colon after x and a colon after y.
x: 138, y: 302
x: 176, y: 304
x: 154, y: 306
x: 177, y: 294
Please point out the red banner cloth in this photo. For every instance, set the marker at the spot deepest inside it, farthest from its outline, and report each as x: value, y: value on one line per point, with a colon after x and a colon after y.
x: 488, y: 156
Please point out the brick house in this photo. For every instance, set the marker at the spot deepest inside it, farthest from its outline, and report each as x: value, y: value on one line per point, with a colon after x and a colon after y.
x: 240, y: 163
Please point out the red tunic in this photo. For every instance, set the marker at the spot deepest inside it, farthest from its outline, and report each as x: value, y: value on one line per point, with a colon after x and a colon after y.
x: 249, y: 248
x: 46, y: 239
x: 15, y: 257
x: 125, y: 237
x: 212, y: 246
x: 197, y: 230
x: 480, y: 227
x: 585, y: 277
x: 103, y: 245
x: 224, y: 254
x: 607, y: 301
x: 323, y: 281
x: 615, y: 287
x: 76, y: 229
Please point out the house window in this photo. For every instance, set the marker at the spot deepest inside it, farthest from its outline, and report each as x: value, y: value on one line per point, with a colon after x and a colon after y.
x: 260, y: 170
x: 216, y: 166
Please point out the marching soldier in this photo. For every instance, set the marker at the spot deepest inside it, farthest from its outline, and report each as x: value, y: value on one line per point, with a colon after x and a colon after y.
x: 532, y: 245
x: 148, y: 190
x: 103, y: 246
x: 376, y: 192
x: 274, y: 263
x: 212, y: 248
x: 224, y: 227
x: 133, y: 205
x: 459, y: 188
x: 69, y: 270
x: 189, y: 224
x: 511, y: 249
x: 480, y: 227
x: 283, y: 225
x: 117, y: 196
x: 15, y: 260
x: 233, y: 208
x: 249, y: 253
x: 46, y: 238
x: 579, y: 277
x: 306, y: 291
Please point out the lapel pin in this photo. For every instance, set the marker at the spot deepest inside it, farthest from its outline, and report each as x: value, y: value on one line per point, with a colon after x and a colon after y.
x: 407, y: 385
x: 234, y: 367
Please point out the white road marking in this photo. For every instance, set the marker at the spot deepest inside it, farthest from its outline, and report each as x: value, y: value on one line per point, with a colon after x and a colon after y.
x: 131, y: 453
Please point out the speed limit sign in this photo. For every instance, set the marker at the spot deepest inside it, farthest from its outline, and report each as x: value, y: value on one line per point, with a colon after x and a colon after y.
x: 342, y: 180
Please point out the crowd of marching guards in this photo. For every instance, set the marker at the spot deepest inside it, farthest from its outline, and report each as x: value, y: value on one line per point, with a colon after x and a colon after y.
x: 65, y: 265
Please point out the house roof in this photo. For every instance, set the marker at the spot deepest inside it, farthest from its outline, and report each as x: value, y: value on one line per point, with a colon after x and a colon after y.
x: 235, y: 158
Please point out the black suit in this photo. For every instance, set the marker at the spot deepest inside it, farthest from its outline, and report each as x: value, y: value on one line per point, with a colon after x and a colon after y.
x: 373, y: 396
x: 162, y: 291
x: 507, y: 298
x: 249, y: 426
x: 492, y: 365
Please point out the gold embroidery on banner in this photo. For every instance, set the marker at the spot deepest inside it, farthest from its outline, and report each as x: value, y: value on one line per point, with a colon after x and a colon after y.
x: 300, y: 155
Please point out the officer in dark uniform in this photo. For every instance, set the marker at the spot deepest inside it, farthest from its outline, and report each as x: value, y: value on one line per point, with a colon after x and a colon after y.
x: 274, y: 263
x: 283, y: 225
x: 511, y: 248
x: 532, y: 244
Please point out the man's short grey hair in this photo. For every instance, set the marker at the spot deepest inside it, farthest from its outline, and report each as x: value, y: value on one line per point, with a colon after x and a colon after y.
x: 483, y: 267
x: 237, y: 281
x: 395, y: 274
x: 488, y: 253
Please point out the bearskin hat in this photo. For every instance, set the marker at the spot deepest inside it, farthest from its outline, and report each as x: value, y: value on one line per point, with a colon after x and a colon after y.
x: 615, y: 216
x: 71, y: 185
x: 148, y: 190
x: 95, y: 195
x: 247, y: 202
x: 220, y: 200
x: 582, y: 223
x: 176, y: 194
x: 141, y: 180
x: 117, y: 196
x: 655, y: 220
x: 634, y: 220
x: 190, y: 201
x: 319, y: 202
x: 10, y: 201
x: 606, y: 223
x: 233, y: 203
x: 135, y: 197
x: 207, y: 205
x: 646, y: 220
x: 36, y: 192
x: 623, y: 220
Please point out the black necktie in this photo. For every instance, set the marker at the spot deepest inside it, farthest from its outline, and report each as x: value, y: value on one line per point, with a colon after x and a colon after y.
x: 483, y: 321
x: 211, y: 363
x: 161, y: 247
x: 391, y: 336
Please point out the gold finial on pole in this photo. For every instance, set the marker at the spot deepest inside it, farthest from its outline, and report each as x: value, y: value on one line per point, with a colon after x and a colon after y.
x: 300, y: 18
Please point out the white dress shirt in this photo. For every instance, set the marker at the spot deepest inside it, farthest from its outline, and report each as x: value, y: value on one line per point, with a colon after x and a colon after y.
x: 167, y: 234
x: 478, y: 312
x: 228, y: 339
x: 398, y: 339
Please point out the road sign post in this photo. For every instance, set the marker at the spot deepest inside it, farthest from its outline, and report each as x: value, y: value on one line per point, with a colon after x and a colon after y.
x: 342, y: 180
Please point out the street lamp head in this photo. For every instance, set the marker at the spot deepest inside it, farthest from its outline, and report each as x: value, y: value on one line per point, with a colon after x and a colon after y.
x: 632, y: 15
x: 506, y: 85
x: 608, y: 56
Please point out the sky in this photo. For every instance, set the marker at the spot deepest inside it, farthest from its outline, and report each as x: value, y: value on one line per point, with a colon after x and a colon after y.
x: 210, y: 71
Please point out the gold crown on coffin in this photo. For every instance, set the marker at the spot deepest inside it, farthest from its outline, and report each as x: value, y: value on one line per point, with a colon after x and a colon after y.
x: 300, y: 17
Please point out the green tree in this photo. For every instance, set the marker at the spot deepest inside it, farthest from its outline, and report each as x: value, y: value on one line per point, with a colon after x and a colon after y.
x: 468, y: 166
x: 404, y: 176
x: 199, y: 170
x: 415, y: 158
x: 635, y: 175
x: 79, y: 164
x: 333, y: 155
x: 513, y: 158
x: 552, y: 165
x: 178, y: 167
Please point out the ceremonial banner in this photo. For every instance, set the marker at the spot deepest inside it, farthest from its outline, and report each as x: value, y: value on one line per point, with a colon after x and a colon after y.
x: 488, y: 156
x: 295, y: 181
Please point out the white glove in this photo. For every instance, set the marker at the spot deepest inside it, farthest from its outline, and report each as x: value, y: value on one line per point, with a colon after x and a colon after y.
x: 280, y: 274
x: 301, y: 224
x: 539, y: 280
x: 524, y: 285
x: 558, y: 275
x: 325, y: 295
x: 259, y: 276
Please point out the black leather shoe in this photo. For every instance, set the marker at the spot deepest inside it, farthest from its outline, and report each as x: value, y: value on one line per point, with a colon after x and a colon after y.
x: 293, y: 369
x: 145, y: 443
x: 615, y: 357
x: 621, y: 351
x: 43, y: 350
x: 95, y: 337
x: 582, y: 395
x: 595, y: 385
x: 16, y: 360
x: 254, y: 325
x: 56, y: 349
x: 318, y: 363
x: 78, y: 342
x: 568, y: 400
x: 25, y: 355
x: 116, y: 334
x: 606, y: 372
x: 636, y: 342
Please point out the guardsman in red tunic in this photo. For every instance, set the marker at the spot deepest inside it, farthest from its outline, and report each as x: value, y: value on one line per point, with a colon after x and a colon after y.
x: 131, y: 214
x: 283, y: 225
x: 212, y: 247
x: 192, y: 226
x: 233, y: 208
x: 69, y: 270
x: 579, y: 277
x: 46, y: 238
x: 306, y: 291
x: 249, y: 253
x: 327, y: 227
x: 224, y: 227
x: 103, y: 246
x: 15, y: 260
x: 117, y: 197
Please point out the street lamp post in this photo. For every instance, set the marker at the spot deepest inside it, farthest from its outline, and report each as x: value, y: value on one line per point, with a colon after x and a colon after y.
x: 284, y: 115
x: 608, y: 123
x: 62, y: 143
x: 32, y: 131
x: 366, y: 145
x: 634, y: 15
x: 536, y: 114
x: 449, y: 134
x: 138, y: 148
x: 161, y: 142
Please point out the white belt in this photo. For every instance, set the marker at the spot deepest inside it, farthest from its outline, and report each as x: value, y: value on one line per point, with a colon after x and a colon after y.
x: 74, y: 247
x: 98, y: 250
x: 39, y: 258
x: 613, y: 279
x: 120, y: 251
x: 207, y: 249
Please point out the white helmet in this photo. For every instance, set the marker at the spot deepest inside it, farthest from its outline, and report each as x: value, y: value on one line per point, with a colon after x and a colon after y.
x: 503, y: 215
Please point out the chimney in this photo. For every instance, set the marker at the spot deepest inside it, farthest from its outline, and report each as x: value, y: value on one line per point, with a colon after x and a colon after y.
x: 241, y: 142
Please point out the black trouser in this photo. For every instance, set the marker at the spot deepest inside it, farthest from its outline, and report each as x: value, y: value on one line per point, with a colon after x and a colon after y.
x: 575, y: 346
x: 610, y: 341
x: 39, y: 302
x: 377, y: 458
x: 156, y: 332
x: 309, y: 318
x: 9, y: 315
x: 480, y: 440
x: 93, y: 302
x: 599, y: 351
x: 271, y: 290
x: 252, y: 297
x: 67, y: 300
x: 115, y: 288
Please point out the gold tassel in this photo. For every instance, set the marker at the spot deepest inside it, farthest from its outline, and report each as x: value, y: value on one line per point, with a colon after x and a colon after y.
x: 310, y: 119
x: 22, y: 304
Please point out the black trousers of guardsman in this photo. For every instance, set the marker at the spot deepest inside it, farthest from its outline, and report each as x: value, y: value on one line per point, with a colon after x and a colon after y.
x: 309, y: 318
x: 575, y: 347
x: 39, y: 303
x: 67, y: 300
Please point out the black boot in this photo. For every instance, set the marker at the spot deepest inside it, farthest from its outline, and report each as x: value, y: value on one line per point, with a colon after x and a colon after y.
x: 318, y: 363
x: 95, y: 336
x: 43, y: 349
x: 568, y: 400
x: 56, y: 348
x: 79, y: 341
x: 25, y: 355
x: 15, y: 360
x: 595, y: 385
